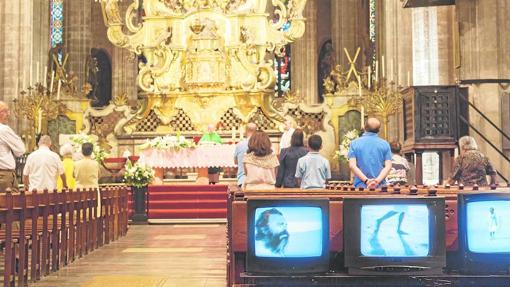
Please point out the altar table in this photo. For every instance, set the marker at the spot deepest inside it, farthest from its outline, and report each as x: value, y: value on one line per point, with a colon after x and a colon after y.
x: 201, y: 157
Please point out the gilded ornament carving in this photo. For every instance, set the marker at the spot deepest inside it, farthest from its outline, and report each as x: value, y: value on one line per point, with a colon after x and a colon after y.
x: 209, y: 49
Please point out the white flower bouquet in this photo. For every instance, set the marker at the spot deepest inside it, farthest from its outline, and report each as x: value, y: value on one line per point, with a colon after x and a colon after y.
x: 138, y: 175
x: 168, y: 142
x: 343, y: 152
x: 78, y: 140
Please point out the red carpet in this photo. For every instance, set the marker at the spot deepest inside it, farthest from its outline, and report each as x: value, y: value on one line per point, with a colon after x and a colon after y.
x: 187, y: 201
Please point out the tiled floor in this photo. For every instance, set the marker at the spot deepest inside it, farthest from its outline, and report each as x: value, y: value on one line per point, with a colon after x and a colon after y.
x: 151, y: 256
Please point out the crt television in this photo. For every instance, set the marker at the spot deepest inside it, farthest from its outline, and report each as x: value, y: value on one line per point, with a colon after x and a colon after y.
x: 394, y: 235
x: 288, y: 236
x: 484, y: 232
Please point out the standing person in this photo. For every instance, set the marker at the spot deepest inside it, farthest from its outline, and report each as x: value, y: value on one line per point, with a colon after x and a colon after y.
x: 66, y: 151
x: 86, y: 172
x: 260, y: 163
x: 212, y: 137
x: 471, y: 166
x: 42, y: 168
x: 399, y: 166
x: 288, y: 161
x: 370, y: 157
x: 313, y: 170
x: 240, y: 151
x: 285, y: 141
x: 11, y: 146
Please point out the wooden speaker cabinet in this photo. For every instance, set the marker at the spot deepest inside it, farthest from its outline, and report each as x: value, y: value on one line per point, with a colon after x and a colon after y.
x: 431, y: 129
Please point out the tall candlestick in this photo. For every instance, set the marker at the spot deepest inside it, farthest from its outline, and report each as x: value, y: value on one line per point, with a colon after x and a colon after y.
x: 360, y: 91
x: 24, y: 81
x: 376, y: 72
x: 369, y: 77
x: 58, y: 89
x: 39, y: 122
x: 51, y: 83
x: 392, y: 70
x: 383, y: 70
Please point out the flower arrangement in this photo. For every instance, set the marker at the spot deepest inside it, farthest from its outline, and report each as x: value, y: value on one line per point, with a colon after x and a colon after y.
x: 345, y: 144
x: 138, y: 175
x: 168, y: 142
x: 77, y: 141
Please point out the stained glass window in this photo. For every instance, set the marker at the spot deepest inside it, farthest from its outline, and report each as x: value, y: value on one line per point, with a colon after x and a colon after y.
x: 282, y: 70
x: 373, y: 31
x: 56, y: 22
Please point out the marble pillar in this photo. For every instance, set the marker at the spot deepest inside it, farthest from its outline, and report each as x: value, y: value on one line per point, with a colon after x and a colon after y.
x: 304, y: 57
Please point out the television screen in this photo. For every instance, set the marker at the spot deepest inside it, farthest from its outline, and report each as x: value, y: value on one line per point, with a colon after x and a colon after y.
x: 288, y: 231
x: 395, y: 230
x: 287, y: 235
x: 394, y: 235
x: 488, y: 226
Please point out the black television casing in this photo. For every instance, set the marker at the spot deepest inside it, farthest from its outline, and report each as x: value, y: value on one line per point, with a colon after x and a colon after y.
x: 479, y: 263
x: 270, y: 265
x: 358, y: 264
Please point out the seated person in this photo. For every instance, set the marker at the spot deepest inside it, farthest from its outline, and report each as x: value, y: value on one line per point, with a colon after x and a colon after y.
x: 212, y: 137
x: 399, y: 166
x: 260, y: 163
x: 313, y: 169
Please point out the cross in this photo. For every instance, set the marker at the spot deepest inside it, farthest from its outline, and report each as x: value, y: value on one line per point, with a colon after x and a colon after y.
x: 352, y: 63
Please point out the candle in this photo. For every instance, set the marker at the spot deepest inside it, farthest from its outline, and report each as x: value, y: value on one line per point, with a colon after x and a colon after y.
x: 382, y: 66
x: 51, y: 83
x: 24, y: 81
x: 30, y: 76
x: 359, y: 87
x: 376, y: 71
x: 40, y: 122
x: 392, y: 70
x: 45, y: 76
x: 58, y: 89
x: 408, y: 78
x: 362, y: 117
x: 369, y: 77
x: 37, y: 73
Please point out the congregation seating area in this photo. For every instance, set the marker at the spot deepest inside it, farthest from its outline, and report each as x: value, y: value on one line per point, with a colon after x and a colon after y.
x: 242, y: 223
x: 44, y: 231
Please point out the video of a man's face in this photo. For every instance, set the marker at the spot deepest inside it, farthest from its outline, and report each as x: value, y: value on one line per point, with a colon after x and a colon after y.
x: 288, y: 232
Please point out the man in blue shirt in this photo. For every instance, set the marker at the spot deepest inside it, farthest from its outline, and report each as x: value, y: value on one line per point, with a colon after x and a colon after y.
x: 240, y: 151
x: 313, y: 169
x: 370, y: 157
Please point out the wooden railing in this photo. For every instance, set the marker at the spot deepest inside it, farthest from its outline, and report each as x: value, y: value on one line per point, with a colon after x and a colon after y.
x: 43, y: 231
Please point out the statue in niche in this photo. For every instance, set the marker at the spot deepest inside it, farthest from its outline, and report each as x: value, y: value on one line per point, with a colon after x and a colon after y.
x: 326, y: 63
x: 99, y: 75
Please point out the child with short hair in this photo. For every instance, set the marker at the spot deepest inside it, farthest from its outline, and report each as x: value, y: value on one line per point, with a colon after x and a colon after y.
x: 313, y: 170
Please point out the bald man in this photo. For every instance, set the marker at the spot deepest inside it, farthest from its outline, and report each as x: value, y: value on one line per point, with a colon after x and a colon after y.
x: 11, y: 146
x: 240, y: 151
x: 370, y: 157
x: 43, y: 167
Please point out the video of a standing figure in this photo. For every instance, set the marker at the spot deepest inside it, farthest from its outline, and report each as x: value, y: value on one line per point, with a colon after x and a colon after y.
x: 395, y: 230
x: 288, y: 232
x: 488, y: 226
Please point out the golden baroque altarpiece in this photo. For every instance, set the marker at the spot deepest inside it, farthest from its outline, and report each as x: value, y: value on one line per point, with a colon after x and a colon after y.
x: 204, y: 58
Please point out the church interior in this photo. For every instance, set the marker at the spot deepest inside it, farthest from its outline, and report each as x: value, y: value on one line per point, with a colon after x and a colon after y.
x: 159, y: 143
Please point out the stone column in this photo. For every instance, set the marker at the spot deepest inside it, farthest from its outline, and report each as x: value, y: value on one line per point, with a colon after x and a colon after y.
x: 485, y: 54
x: 78, y: 35
x: 395, y: 43
x: 349, y: 29
x: 24, y: 40
x: 304, y: 58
